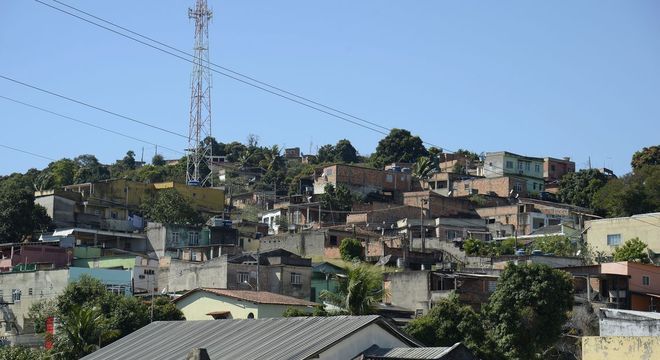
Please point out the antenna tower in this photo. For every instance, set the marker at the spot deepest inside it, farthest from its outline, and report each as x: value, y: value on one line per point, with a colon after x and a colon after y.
x: 199, y: 154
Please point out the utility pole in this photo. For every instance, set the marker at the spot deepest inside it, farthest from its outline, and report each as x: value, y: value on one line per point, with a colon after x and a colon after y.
x: 199, y: 153
x: 421, y: 223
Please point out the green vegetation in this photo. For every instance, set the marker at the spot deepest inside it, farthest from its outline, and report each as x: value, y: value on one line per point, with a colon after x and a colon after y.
x: 359, y: 292
x: 350, y: 249
x: 90, y: 316
x: 398, y: 146
x: 648, y: 156
x: 20, y: 217
x: 635, y: 193
x: 632, y: 250
x: 579, y: 188
x: 557, y: 245
x: 522, y: 319
x: 170, y: 207
x: 475, y: 247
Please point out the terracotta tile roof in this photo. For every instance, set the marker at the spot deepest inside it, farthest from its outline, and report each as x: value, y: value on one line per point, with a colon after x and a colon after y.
x: 259, y: 297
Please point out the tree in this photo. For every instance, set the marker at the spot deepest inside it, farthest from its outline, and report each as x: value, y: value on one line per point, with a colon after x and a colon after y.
x: 579, y: 188
x: 337, y: 199
x: 165, y: 310
x: 526, y: 312
x: 447, y: 323
x: 635, y: 193
x: 399, y: 146
x: 359, y: 292
x: 89, y: 169
x: 128, y: 162
x: 158, y: 160
x: 170, y: 207
x: 82, y: 331
x: 557, y: 245
x: 325, y: 154
x: 350, y: 249
x: 423, y: 168
x: 90, y: 314
x: 63, y: 172
x: 646, y: 156
x: 22, y: 353
x: 345, y: 152
x: 632, y: 250
x: 19, y: 215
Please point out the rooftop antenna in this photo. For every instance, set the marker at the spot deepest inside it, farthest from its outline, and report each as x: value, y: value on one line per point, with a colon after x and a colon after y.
x: 198, y: 153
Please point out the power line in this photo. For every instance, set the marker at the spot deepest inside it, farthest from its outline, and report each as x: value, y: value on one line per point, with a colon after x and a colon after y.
x: 90, y: 106
x: 284, y: 96
x: 27, y: 152
x: 219, y: 66
x: 88, y: 124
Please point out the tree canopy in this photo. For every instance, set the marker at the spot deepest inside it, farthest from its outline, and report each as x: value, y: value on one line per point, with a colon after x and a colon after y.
x: 526, y: 312
x: 350, y: 249
x: 635, y: 193
x: 170, y: 207
x: 342, y: 152
x: 398, y: 146
x: 579, y: 188
x: 632, y: 250
x: 647, y: 156
x: 20, y: 217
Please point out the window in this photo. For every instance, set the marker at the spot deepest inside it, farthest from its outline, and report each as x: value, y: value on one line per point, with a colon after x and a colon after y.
x: 517, y: 187
x: 552, y: 168
x: 491, y: 286
x: 296, y: 279
x: 646, y: 281
x: 527, y: 166
x: 333, y: 240
x: 30, y: 291
x: 613, y: 239
x: 537, y: 168
x: 509, y: 164
x: 453, y: 234
x: 194, y: 256
x: 534, y: 186
x: 540, y: 186
x: 243, y: 277
x: 175, y: 237
x: 193, y: 238
x: 520, y: 165
x: 16, y: 295
x: 466, y: 186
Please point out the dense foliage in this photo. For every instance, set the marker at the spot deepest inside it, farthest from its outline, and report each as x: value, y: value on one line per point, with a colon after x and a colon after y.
x: 526, y: 312
x: 20, y: 217
x: 342, y: 152
x: 646, y: 156
x: 90, y: 316
x: 579, y: 188
x: 635, y: 193
x: 359, y: 292
x: 632, y: 250
x: 398, y: 146
x: 350, y: 249
x: 475, y: 247
x: 169, y: 206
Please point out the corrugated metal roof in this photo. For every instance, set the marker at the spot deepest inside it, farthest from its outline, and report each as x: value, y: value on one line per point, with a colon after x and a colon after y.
x: 277, y: 338
x: 407, y: 353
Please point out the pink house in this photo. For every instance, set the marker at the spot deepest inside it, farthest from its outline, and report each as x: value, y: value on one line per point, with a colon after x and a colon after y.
x: 14, y: 254
x: 643, y: 283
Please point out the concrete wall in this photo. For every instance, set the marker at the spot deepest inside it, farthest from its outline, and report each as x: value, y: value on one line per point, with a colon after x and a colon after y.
x: 176, y: 275
x: 361, y: 340
x: 620, y: 347
x: 34, y: 286
x: 627, y: 324
x: 410, y: 289
x: 60, y: 209
x: 500, y: 186
x: 636, y: 272
x: 307, y: 244
x: 272, y: 278
x: 646, y: 227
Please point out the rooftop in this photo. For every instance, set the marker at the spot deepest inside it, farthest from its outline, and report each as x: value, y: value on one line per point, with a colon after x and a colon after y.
x: 258, y: 297
x: 273, y: 338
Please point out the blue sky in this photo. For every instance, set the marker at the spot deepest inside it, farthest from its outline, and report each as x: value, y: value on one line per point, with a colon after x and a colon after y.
x: 560, y: 78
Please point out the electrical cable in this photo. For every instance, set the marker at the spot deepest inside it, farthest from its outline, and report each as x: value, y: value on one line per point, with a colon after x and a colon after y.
x: 88, y: 124
x: 27, y: 152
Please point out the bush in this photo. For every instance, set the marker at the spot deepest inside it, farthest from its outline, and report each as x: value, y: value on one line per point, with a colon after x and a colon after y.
x: 350, y: 249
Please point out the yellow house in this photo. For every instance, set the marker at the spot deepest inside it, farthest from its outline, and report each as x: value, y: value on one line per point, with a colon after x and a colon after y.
x: 607, y: 234
x: 620, y: 347
x: 210, y: 303
x: 205, y: 199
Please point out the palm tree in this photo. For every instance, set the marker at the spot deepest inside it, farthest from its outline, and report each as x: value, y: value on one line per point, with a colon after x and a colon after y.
x: 423, y: 168
x: 359, y: 292
x: 83, y: 331
x: 273, y: 160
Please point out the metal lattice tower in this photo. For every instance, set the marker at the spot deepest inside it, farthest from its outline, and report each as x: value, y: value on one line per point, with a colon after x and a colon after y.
x: 199, y: 155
